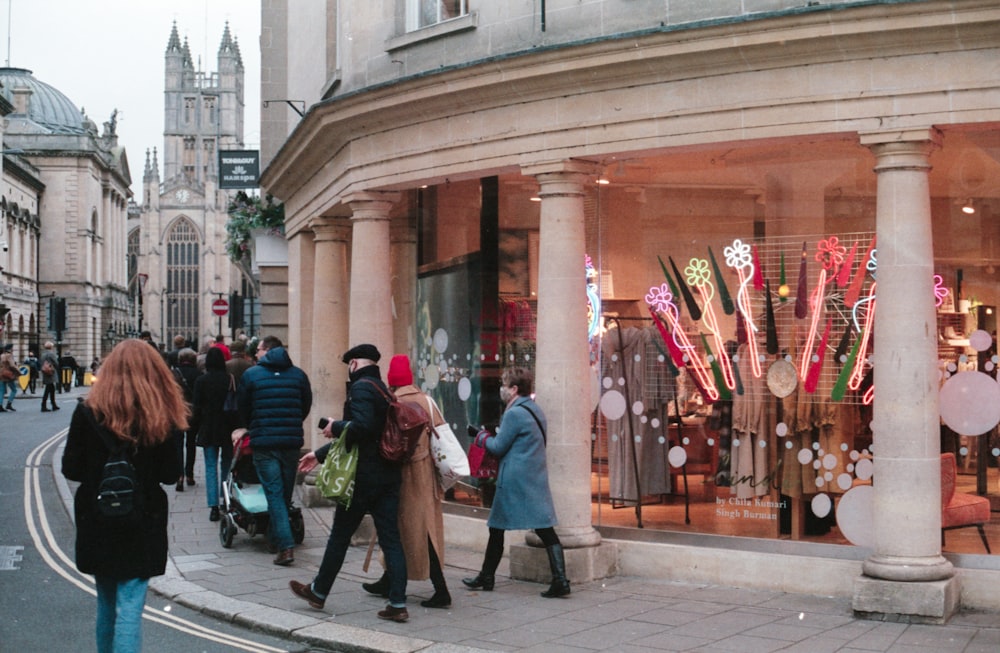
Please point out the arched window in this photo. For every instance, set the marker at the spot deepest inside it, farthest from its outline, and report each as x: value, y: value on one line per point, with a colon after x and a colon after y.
x: 183, y: 283
x: 133, y: 258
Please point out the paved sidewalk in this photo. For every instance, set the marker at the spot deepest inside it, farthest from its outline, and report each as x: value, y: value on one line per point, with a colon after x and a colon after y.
x: 622, y: 614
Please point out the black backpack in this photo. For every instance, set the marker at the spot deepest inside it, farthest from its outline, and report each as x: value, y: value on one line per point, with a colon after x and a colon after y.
x: 119, y: 494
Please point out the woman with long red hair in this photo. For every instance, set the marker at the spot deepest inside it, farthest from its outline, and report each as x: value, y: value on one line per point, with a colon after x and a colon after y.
x: 135, y: 404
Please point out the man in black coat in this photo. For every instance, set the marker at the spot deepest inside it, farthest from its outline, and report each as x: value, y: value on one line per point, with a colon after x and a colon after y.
x: 376, y: 486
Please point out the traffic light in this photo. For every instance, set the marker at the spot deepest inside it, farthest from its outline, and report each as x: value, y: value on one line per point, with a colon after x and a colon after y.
x: 235, y: 311
x: 57, y: 314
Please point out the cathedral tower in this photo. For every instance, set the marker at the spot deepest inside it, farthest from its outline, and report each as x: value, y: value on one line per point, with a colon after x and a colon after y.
x: 182, y: 228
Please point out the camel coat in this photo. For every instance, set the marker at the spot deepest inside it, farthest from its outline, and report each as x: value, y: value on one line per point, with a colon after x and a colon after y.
x: 420, y: 496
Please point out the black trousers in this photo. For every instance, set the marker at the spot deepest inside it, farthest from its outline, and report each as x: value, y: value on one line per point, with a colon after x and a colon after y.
x: 50, y: 394
x: 494, y: 547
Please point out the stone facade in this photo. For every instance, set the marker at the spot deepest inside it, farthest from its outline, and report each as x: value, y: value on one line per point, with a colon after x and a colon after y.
x: 784, y: 120
x: 71, y: 184
x: 181, y: 244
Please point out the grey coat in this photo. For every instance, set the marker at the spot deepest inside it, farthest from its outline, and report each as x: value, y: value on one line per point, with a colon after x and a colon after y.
x: 523, y: 500
x: 49, y: 355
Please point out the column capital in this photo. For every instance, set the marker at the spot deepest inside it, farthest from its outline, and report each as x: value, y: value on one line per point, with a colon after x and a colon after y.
x: 371, y: 199
x: 890, y: 136
x: 562, y: 167
x: 332, y: 228
x: 902, y: 149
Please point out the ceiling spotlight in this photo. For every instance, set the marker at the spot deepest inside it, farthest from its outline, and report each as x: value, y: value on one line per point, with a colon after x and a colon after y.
x: 968, y: 208
x: 602, y: 181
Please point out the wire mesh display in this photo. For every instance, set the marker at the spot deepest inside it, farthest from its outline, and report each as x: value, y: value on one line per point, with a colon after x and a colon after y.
x: 804, y: 300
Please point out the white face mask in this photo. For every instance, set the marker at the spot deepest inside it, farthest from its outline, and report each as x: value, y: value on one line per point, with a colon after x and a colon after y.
x: 506, y: 394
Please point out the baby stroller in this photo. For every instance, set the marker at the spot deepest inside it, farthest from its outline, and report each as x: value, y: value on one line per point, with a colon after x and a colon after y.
x: 243, y: 502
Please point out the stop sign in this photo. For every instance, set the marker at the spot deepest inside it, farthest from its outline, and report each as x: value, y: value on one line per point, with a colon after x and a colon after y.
x: 220, y: 307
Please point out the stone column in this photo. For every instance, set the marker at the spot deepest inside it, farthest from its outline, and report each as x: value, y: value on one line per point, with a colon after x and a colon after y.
x: 329, y: 319
x: 906, y: 574
x: 562, y: 374
x: 403, y: 236
x: 371, y: 286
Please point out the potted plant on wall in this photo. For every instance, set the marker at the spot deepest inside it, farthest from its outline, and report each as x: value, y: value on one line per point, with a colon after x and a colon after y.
x: 252, y: 218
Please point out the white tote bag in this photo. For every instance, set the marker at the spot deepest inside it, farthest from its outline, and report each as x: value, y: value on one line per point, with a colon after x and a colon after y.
x: 449, y: 457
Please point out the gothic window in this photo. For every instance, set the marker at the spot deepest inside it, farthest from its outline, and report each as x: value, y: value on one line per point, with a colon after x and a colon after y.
x: 422, y: 13
x: 190, y: 156
x: 209, y: 115
x: 183, y: 281
x: 132, y: 255
x: 209, y: 147
x: 188, y: 109
x: 132, y: 258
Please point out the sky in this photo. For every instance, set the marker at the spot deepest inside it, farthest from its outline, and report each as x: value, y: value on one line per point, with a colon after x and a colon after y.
x: 108, y: 54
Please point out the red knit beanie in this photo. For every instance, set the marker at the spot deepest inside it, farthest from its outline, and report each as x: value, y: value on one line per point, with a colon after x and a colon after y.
x: 399, y: 371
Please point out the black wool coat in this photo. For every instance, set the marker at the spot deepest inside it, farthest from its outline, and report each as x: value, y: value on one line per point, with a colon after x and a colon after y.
x: 127, y: 551
x: 215, y: 427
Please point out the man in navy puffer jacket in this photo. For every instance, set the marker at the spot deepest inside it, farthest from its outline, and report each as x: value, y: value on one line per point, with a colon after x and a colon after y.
x: 275, y: 398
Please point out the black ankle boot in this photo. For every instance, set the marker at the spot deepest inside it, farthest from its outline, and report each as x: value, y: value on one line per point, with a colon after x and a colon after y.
x: 482, y: 581
x: 441, y: 599
x: 557, y: 562
x: 379, y: 587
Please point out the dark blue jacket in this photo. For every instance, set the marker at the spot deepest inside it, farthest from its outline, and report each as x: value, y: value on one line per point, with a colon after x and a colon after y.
x: 275, y: 398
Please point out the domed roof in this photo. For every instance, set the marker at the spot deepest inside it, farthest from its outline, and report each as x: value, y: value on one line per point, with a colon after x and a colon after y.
x: 47, y: 107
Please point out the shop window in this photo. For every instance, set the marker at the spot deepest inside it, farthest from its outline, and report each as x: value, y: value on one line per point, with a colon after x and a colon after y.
x: 692, y: 428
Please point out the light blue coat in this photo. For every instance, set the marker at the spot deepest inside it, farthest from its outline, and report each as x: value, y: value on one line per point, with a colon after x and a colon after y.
x: 523, y: 499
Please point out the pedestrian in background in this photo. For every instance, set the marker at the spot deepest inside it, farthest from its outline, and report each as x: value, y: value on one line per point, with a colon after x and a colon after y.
x: 275, y: 398
x: 67, y: 369
x: 421, y: 523
x: 32, y: 363
x: 8, y: 377
x: 523, y: 499
x: 186, y: 373
x: 376, y: 486
x: 240, y: 362
x: 48, y: 364
x: 136, y: 404
x: 215, y: 426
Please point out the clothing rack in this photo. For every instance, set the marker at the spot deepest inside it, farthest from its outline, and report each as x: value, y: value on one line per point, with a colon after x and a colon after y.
x: 628, y: 422
x: 617, y: 322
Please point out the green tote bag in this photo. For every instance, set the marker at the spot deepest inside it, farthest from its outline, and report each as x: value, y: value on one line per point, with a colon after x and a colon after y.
x: 335, y: 479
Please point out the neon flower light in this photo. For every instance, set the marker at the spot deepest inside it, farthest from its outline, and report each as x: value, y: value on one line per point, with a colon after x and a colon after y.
x: 858, y: 373
x: 867, y: 265
x: 739, y: 258
x: 940, y: 292
x: 593, y: 298
x: 660, y: 301
x: 830, y: 254
x: 699, y: 276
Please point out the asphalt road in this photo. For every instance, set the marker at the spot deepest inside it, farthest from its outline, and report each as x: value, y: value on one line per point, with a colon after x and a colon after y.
x: 46, y: 604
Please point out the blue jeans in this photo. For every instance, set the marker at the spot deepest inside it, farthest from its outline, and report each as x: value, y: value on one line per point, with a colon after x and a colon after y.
x: 276, y: 470
x: 9, y: 391
x: 119, y: 614
x: 213, y: 477
x: 381, y: 499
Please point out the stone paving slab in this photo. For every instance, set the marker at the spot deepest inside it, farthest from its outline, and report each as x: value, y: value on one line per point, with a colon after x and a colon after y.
x: 623, y: 614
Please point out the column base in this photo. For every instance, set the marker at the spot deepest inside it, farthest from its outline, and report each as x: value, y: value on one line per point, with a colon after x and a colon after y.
x: 582, y: 565
x: 311, y: 497
x: 928, y: 602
